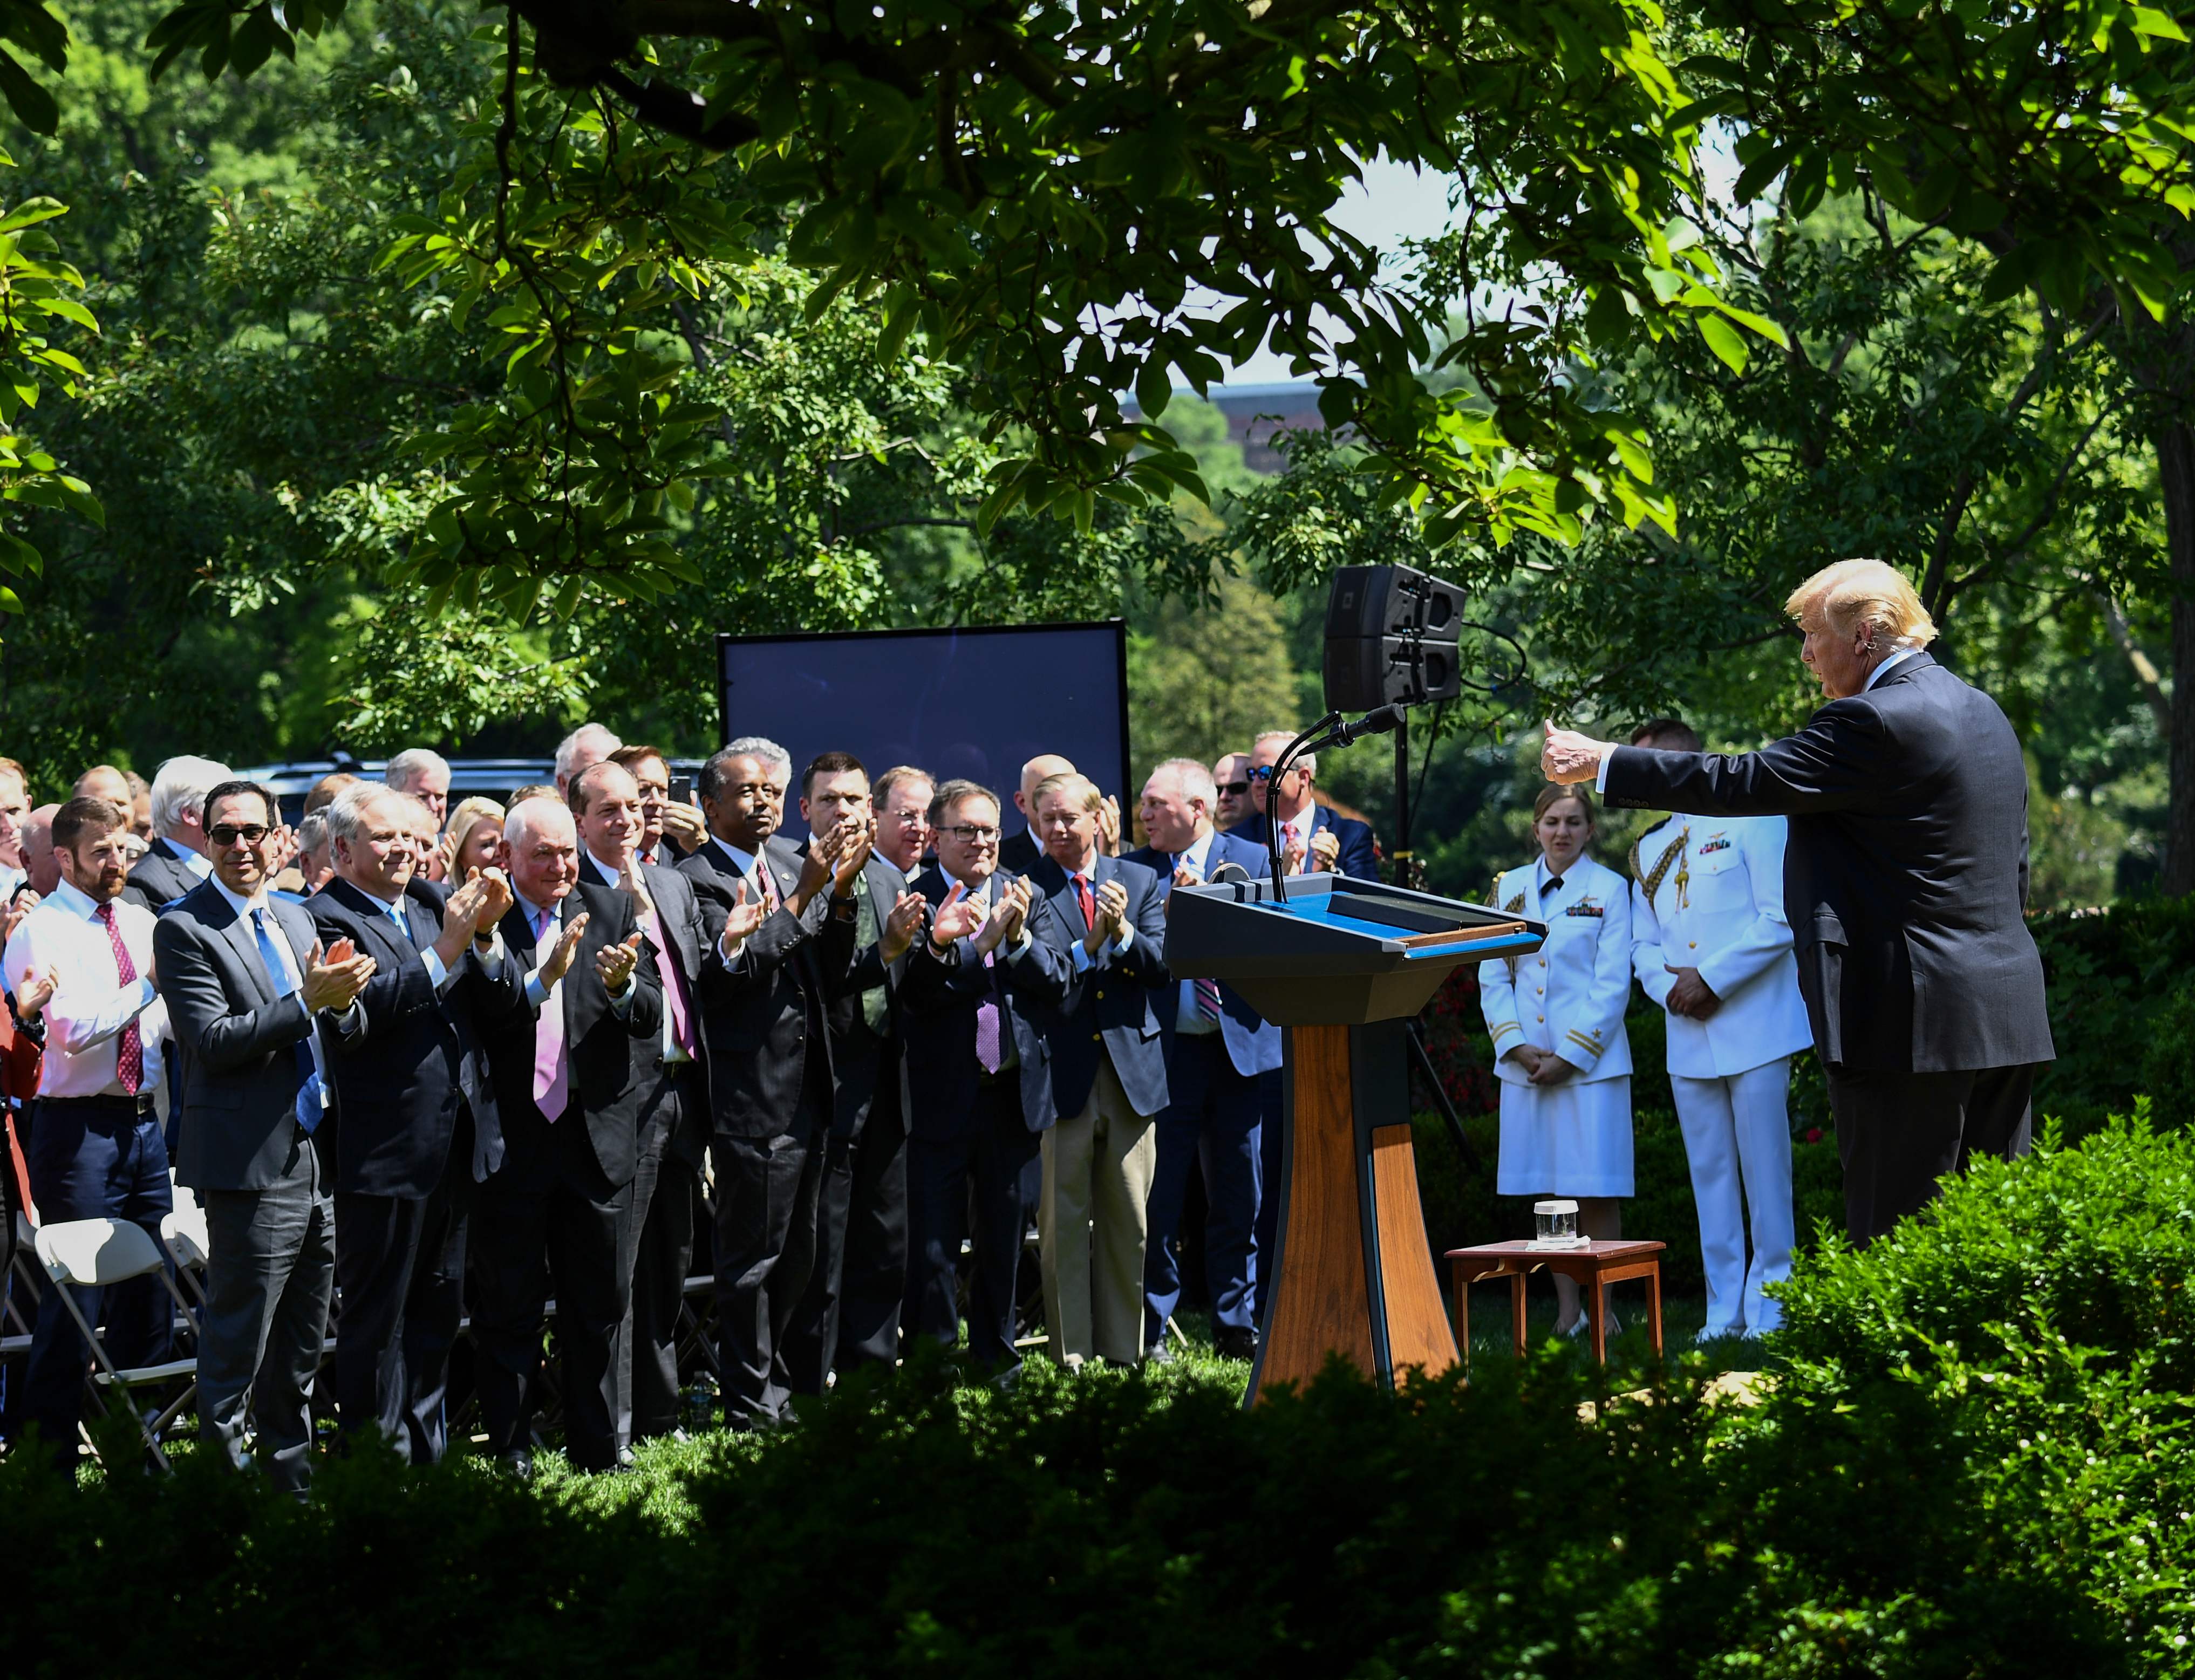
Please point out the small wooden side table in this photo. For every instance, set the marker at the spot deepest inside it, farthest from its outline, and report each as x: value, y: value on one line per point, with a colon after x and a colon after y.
x: 1594, y: 1266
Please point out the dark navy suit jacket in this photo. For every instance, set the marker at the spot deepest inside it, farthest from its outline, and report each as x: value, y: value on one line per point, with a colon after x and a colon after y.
x: 1357, y: 856
x: 1113, y: 1004
x: 1235, y: 1012
x: 1905, y: 874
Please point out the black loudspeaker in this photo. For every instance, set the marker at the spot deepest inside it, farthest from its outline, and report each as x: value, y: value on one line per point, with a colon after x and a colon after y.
x: 1391, y: 636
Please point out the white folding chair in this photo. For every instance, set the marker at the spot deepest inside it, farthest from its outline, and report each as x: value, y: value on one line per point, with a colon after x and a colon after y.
x: 98, y: 1254
x: 183, y: 1234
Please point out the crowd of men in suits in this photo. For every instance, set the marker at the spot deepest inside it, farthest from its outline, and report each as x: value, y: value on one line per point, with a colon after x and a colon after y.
x: 418, y: 1063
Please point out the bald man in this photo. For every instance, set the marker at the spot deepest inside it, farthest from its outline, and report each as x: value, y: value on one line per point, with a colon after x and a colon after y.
x: 104, y: 781
x: 1018, y: 853
x: 42, y: 868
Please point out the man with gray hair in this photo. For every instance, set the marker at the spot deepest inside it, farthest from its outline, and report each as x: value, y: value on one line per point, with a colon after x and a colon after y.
x: 588, y: 744
x: 175, y: 862
x: 1221, y: 1060
x: 424, y: 774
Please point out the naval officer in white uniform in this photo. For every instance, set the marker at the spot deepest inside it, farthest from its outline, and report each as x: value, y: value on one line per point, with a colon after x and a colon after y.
x: 1557, y: 1021
x: 1712, y: 945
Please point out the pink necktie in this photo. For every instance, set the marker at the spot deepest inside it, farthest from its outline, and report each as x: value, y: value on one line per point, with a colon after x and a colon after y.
x: 130, y: 1054
x: 1207, y: 998
x: 769, y: 886
x: 552, y: 1071
x: 674, y: 983
x: 986, y: 1023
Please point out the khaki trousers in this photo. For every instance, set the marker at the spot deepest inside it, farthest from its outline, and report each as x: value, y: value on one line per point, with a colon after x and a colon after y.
x: 1098, y: 1169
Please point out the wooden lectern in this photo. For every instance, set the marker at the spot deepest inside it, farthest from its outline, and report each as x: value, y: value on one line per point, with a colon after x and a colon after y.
x: 1341, y: 967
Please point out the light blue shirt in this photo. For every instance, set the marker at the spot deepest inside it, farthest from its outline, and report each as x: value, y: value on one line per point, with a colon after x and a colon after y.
x: 313, y: 1093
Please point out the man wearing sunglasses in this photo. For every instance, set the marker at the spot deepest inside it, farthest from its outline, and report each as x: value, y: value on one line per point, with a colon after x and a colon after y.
x: 1231, y: 779
x: 250, y: 993
x: 1316, y: 838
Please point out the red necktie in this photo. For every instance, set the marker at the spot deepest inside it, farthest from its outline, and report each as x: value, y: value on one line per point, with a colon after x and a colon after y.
x: 1089, y: 904
x: 129, y: 1057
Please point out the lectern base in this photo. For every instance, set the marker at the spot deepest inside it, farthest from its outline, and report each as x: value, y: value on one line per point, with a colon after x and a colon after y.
x: 1354, y: 1274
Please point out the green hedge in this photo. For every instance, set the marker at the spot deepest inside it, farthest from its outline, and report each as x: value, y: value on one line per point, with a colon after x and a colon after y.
x: 1975, y: 1461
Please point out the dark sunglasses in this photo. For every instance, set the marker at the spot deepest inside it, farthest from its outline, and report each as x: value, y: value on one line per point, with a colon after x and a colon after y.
x: 1235, y: 790
x: 1263, y: 772
x: 228, y: 833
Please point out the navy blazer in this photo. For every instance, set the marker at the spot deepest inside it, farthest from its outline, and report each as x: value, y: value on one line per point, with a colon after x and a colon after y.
x: 161, y: 877
x: 236, y: 1103
x: 1111, y: 1003
x: 398, y: 1087
x: 858, y: 1053
x: 607, y: 1092
x: 1905, y: 872
x: 943, y: 996
x: 770, y: 1037
x: 694, y: 956
x: 1257, y: 864
x: 1357, y: 857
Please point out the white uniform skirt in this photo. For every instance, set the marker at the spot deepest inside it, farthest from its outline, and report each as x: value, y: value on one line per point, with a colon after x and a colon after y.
x: 1566, y: 1140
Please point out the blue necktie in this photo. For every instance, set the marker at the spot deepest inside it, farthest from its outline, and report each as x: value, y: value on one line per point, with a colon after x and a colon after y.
x: 403, y: 922
x: 278, y: 974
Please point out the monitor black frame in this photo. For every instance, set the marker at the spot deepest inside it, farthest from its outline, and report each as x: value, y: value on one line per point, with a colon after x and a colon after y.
x: 1128, y: 793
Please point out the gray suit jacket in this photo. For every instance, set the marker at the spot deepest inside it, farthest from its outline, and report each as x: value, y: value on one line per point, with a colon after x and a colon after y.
x: 236, y: 1127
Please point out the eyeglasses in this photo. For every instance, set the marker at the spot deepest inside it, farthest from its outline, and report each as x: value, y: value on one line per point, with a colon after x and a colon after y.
x: 1235, y: 790
x: 1263, y: 772
x: 227, y: 834
x: 968, y: 834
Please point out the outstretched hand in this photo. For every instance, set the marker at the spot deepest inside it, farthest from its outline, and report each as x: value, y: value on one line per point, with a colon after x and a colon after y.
x: 1568, y: 756
x: 567, y: 947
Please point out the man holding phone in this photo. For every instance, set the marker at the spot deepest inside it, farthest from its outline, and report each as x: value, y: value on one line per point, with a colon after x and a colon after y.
x: 672, y: 824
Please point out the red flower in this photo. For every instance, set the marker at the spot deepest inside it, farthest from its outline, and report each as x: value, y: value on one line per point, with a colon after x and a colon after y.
x: 1813, y: 1134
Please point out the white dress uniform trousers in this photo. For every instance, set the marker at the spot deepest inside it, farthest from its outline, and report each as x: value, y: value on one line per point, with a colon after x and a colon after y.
x: 1707, y: 893
x: 1571, y: 1139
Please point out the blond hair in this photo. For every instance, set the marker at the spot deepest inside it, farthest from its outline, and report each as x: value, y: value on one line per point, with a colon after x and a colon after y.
x: 1865, y: 594
x: 1070, y: 786
x: 466, y: 814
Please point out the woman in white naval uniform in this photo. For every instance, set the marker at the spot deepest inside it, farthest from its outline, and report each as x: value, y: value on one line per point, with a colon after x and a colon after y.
x: 1712, y: 945
x: 1557, y: 1019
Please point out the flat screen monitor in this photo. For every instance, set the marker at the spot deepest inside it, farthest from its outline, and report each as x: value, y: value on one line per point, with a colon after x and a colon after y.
x: 978, y: 704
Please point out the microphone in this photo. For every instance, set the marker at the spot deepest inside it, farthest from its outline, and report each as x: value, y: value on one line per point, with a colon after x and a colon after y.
x: 1382, y: 721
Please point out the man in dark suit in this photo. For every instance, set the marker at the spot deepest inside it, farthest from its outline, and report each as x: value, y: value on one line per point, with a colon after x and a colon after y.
x: 407, y: 1091
x: 176, y: 862
x: 250, y: 998
x: 567, y: 1098
x: 607, y: 803
x: 1315, y: 837
x: 1018, y: 853
x: 849, y: 1314
x: 1219, y: 1054
x: 1905, y: 881
x: 785, y: 933
x: 1107, y: 1075
x: 976, y: 1077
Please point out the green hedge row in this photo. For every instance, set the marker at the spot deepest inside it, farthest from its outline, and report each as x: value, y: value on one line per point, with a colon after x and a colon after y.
x: 1975, y: 1461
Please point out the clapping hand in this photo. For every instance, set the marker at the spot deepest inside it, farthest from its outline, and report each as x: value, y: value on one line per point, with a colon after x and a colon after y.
x: 1325, y: 850
x: 32, y: 994
x: 630, y: 879
x: 743, y: 918
x: 900, y: 927
x: 334, y: 977
x: 1112, y: 901
x: 1007, y: 919
x: 1108, y: 826
x: 495, y: 900
x: 12, y: 915
x: 1292, y: 854
x: 957, y: 917
x: 1568, y: 756
x: 857, y: 836
x: 817, y: 867
x: 566, y: 948
x: 614, y: 963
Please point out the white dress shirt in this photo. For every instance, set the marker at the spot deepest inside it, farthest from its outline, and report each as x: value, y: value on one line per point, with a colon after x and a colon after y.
x: 315, y: 1090
x: 674, y: 1053
x: 1188, y: 1019
x: 64, y: 937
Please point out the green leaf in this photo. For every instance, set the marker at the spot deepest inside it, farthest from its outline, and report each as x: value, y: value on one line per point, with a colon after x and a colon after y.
x: 31, y: 103
x: 1723, y: 340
